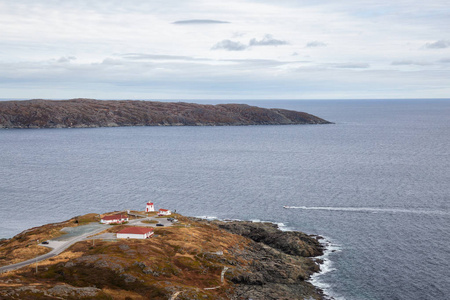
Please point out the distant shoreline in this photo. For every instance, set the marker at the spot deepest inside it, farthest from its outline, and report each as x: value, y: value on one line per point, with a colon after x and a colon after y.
x: 89, y: 113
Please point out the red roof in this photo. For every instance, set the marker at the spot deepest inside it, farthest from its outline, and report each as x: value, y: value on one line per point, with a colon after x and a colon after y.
x: 136, y: 230
x: 114, y: 217
x: 150, y: 203
x: 162, y: 209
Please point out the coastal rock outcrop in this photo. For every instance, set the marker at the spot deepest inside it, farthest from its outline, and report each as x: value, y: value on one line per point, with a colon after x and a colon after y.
x: 100, y: 113
x: 280, y: 262
x: 289, y: 242
x: 61, y: 291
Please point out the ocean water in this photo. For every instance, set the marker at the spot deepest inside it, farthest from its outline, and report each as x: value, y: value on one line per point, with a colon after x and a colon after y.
x: 375, y: 184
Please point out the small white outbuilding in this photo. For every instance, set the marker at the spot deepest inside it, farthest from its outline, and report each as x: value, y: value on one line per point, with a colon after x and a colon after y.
x: 135, y: 233
x: 114, y: 219
x: 164, y: 212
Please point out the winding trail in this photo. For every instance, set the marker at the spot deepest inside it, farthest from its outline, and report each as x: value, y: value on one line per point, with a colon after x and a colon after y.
x: 174, y: 296
x: 222, y: 279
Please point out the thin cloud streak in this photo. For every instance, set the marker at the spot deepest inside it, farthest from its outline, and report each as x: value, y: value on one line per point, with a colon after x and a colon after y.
x: 315, y: 44
x: 199, y: 22
x: 352, y: 65
x: 408, y: 63
x: 143, y: 56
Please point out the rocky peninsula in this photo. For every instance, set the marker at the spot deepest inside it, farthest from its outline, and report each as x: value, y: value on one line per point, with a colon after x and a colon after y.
x: 193, y: 259
x: 101, y: 113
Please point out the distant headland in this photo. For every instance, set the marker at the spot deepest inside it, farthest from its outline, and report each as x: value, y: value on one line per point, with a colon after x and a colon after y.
x: 83, y: 113
x: 158, y: 255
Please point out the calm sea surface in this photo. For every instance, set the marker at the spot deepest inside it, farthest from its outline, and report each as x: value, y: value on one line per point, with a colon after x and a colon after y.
x: 376, y: 184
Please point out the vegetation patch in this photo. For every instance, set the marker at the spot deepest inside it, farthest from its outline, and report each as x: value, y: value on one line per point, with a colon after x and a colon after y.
x: 150, y: 221
x: 187, y: 263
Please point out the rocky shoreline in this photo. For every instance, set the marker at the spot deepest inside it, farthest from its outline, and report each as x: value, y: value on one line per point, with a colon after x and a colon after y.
x: 195, y: 259
x: 87, y: 113
x: 283, y: 261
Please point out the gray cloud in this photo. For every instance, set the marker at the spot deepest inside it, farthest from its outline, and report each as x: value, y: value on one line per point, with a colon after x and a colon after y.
x: 445, y: 60
x: 65, y: 59
x: 111, y: 62
x: 314, y: 44
x: 167, y: 59
x: 352, y: 66
x: 408, y: 63
x: 268, y: 40
x: 199, y: 22
x: 441, y: 44
x: 258, y: 63
x: 229, y: 46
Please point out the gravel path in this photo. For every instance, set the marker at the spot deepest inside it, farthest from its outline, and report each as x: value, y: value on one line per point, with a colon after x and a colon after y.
x: 58, y: 247
x: 76, y: 234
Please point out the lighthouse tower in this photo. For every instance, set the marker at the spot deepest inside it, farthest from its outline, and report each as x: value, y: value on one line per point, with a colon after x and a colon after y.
x: 149, y: 207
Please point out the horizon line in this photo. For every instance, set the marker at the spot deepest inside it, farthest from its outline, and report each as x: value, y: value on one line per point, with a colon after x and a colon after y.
x: 204, y: 99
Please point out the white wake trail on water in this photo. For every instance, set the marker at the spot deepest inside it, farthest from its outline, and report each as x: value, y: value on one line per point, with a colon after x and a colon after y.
x: 371, y: 210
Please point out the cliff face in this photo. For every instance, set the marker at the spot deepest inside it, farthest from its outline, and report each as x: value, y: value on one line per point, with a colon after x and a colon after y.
x: 280, y: 262
x: 289, y: 242
x: 98, y: 113
x: 195, y: 259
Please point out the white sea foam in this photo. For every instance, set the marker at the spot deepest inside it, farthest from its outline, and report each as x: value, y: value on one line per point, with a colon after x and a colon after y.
x: 284, y: 227
x: 212, y: 218
x: 207, y: 217
x: 326, y: 267
x: 281, y: 226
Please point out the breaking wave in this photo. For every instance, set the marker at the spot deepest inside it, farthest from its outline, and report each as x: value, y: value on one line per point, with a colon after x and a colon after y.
x: 326, y: 267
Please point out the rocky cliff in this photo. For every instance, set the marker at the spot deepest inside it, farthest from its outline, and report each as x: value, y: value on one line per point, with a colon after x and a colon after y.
x: 99, y: 113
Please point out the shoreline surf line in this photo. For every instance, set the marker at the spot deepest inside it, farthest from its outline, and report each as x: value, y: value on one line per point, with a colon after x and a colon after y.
x: 326, y: 267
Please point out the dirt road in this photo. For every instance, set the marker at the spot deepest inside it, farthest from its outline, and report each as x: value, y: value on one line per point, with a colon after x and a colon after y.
x: 60, y: 246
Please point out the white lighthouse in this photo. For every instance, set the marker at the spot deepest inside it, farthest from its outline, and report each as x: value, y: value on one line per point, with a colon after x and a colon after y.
x: 149, y: 207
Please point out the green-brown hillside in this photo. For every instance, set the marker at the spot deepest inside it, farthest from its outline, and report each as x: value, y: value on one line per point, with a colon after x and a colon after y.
x: 185, y: 261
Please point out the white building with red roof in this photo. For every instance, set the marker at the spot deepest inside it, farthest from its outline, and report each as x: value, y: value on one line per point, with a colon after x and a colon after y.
x: 164, y: 212
x: 135, y: 233
x: 150, y: 207
x: 114, y: 219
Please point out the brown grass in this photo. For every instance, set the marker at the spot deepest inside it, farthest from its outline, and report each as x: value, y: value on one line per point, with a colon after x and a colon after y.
x: 88, y: 218
x: 123, y: 295
x: 178, y: 259
x: 25, y: 246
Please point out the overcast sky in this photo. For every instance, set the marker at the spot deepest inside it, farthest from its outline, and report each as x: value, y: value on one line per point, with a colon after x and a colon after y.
x: 210, y: 49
